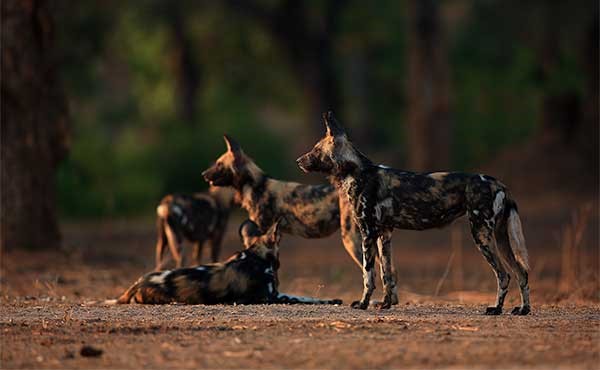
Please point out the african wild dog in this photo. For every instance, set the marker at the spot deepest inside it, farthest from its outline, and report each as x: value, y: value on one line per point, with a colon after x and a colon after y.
x: 384, y: 199
x: 198, y: 218
x: 249, y: 276
x: 310, y: 211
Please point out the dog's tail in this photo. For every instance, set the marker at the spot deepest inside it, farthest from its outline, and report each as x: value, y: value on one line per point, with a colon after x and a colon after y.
x: 129, y: 295
x: 515, y: 235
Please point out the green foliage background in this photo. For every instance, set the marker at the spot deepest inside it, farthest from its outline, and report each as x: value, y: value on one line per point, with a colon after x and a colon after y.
x: 129, y: 146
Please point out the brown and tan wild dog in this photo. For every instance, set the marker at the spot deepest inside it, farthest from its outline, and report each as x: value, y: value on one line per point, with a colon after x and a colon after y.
x: 200, y: 218
x: 309, y: 211
x: 383, y: 199
x: 247, y: 277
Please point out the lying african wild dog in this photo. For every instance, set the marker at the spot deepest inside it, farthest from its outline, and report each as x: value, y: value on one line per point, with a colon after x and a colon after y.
x: 384, y: 199
x: 200, y: 218
x: 247, y: 277
x: 309, y: 211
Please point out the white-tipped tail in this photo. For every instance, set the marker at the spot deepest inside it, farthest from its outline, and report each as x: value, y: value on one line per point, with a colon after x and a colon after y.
x: 517, y: 240
x: 162, y: 211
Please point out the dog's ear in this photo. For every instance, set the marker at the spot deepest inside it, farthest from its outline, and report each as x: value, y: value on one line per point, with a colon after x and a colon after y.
x: 273, y: 235
x: 249, y: 233
x: 232, y: 145
x: 332, y: 125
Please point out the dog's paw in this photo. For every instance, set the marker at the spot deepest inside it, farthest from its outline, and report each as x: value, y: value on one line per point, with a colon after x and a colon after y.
x: 521, y: 311
x: 385, y: 305
x: 360, y: 305
x: 491, y: 311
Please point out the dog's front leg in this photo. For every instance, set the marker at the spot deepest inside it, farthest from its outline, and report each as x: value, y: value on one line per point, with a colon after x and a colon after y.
x: 368, y: 266
x: 384, y: 244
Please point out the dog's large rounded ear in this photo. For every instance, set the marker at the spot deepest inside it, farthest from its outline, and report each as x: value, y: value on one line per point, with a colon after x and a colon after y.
x: 273, y: 235
x: 249, y: 233
x: 332, y: 125
x: 232, y: 145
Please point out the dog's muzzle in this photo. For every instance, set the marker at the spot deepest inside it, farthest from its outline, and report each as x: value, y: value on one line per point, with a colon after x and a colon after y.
x: 304, y: 163
x: 206, y: 176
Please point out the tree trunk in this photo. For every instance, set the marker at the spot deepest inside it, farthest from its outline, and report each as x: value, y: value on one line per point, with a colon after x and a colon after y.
x: 429, y: 131
x: 185, y: 68
x: 34, y: 126
x: 587, y: 138
x: 308, y: 50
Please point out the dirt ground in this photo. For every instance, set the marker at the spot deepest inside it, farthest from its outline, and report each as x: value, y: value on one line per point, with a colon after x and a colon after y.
x: 47, y: 319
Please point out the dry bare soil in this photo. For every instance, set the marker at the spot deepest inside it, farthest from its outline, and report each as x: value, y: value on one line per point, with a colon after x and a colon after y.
x: 47, y: 319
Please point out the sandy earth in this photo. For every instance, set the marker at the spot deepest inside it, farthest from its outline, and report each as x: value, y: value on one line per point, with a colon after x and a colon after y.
x: 46, y: 318
x: 38, y: 334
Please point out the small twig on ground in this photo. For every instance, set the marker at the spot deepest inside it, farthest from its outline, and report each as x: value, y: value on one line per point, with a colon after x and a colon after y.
x: 444, y: 276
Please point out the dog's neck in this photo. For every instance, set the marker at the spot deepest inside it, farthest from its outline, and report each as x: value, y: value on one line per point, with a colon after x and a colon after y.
x: 251, y: 175
x: 355, y: 164
x: 223, y: 196
x: 250, y: 185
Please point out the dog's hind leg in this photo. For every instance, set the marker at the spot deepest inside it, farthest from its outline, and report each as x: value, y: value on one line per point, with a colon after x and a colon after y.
x: 483, y: 235
x: 197, y: 252
x: 215, y: 244
x: 174, y: 245
x: 161, y: 242
x: 384, y: 243
x: 508, y: 257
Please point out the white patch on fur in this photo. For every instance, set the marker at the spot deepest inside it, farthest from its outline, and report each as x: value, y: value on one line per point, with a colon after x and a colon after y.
x: 269, y: 271
x: 162, y: 211
x: 159, y: 279
x: 242, y: 255
x: 177, y: 209
x: 383, y: 166
x: 475, y: 212
x: 270, y: 286
x: 499, y: 202
x: 200, y: 268
x: 482, y: 178
x: 438, y: 175
x: 381, y: 207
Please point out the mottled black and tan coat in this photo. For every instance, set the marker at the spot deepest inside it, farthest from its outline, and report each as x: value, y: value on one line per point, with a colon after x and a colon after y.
x: 247, y: 277
x: 309, y: 211
x: 200, y: 218
x: 383, y: 199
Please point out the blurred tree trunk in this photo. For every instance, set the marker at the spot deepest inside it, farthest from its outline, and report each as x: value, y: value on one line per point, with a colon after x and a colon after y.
x: 588, y: 137
x: 356, y: 88
x: 429, y: 131
x: 309, y: 50
x: 560, y: 110
x: 186, y: 70
x: 34, y: 126
x: 568, y: 116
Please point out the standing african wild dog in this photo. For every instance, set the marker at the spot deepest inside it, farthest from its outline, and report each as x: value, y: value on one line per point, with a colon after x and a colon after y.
x: 198, y: 218
x: 384, y: 199
x: 249, y: 276
x: 310, y: 211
